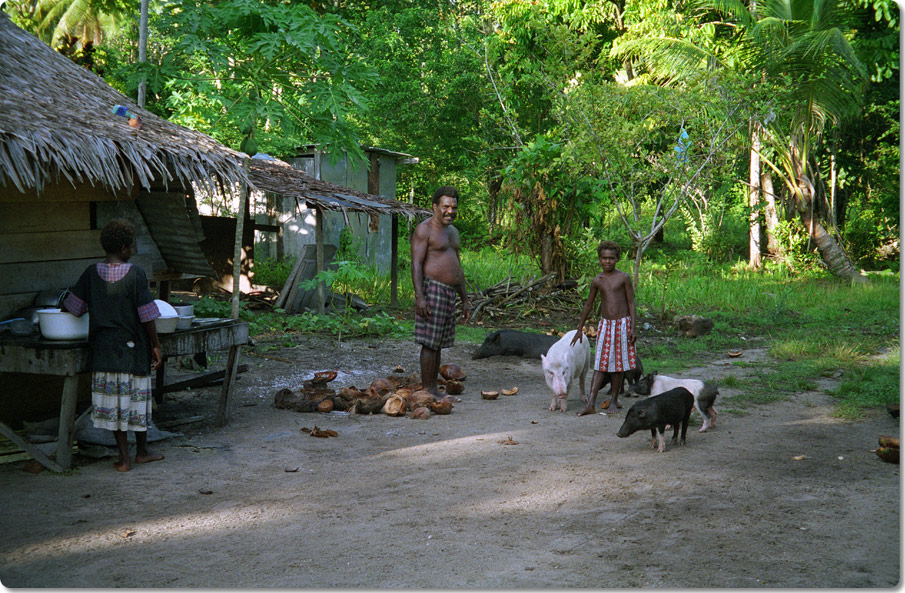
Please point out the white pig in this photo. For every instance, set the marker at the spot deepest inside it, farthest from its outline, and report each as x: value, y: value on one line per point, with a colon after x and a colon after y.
x: 564, y: 363
x: 704, y: 393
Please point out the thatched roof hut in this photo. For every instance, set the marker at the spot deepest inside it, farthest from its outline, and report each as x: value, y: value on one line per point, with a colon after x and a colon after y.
x: 69, y: 164
x: 57, y: 123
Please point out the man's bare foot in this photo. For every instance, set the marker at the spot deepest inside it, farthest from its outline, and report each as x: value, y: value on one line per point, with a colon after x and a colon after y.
x: 609, y: 409
x: 122, y: 466
x: 586, y: 410
x: 148, y: 458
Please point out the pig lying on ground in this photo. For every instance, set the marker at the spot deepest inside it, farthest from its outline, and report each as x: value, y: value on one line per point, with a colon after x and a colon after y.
x: 704, y: 393
x: 672, y: 407
x: 564, y: 363
x: 507, y: 342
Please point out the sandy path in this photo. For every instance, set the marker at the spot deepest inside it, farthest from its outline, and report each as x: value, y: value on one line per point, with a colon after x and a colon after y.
x: 399, y: 503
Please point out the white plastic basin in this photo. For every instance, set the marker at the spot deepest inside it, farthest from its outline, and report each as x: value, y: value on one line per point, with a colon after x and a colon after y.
x: 61, y: 325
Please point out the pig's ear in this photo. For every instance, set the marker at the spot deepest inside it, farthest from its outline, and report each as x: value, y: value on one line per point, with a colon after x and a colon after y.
x: 543, y: 358
x: 642, y: 414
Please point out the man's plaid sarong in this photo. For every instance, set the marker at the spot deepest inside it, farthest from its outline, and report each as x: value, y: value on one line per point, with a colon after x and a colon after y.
x: 439, y: 329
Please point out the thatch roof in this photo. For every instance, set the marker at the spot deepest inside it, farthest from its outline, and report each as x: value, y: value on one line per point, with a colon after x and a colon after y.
x: 56, y: 123
x: 280, y: 177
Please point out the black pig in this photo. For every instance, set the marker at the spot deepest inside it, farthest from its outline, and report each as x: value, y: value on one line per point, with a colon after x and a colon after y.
x: 671, y: 407
x: 632, y: 376
x: 507, y: 342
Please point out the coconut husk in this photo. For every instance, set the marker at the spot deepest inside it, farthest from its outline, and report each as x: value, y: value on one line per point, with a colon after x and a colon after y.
x: 394, y: 406
x: 341, y: 404
x: 320, y: 379
x: 349, y: 393
x: 452, y: 371
x: 368, y: 405
x: 317, y: 393
x: 381, y: 386
x: 420, y: 398
x: 454, y: 387
x: 421, y: 413
x: 285, y: 399
x: 443, y: 406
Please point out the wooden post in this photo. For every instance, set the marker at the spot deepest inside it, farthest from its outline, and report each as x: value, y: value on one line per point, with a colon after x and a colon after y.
x: 237, y: 251
x: 394, y: 261
x: 319, y: 238
x: 232, y: 366
x: 67, y: 419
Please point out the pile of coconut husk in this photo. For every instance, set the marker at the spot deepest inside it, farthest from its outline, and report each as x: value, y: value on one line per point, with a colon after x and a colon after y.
x: 394, y: 395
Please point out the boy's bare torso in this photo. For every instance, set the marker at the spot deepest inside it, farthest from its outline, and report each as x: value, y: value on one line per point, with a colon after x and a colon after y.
x: 613, y: 296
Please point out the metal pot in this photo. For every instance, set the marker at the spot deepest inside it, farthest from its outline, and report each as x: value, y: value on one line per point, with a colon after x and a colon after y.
x: 52, y: 297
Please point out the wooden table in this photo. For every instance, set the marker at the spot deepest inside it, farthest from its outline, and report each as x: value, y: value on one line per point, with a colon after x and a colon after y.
x: 66, y: 358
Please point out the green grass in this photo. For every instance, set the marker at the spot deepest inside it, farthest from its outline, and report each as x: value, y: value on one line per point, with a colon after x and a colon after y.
x: 868, y: 385
x: 812, y: 325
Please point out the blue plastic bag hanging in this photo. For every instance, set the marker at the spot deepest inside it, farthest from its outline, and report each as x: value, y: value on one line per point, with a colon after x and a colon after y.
x: 681, y: 147
x: 123, y: 111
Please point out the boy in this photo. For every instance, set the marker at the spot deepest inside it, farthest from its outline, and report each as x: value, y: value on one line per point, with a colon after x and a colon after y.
x: 615, y: 352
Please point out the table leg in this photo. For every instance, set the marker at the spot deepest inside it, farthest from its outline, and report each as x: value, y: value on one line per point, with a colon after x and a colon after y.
x: 226, y: 393
x: 29, y: 448
x: 160, y: 381
x: 67, y: 421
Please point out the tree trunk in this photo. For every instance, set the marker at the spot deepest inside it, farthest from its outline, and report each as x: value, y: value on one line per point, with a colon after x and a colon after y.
x: 771, y: 217
x: 754, y: 259
x: 830, y: 250
x: 832, y: 254
x: 143, y: 50
x: 546, y: 254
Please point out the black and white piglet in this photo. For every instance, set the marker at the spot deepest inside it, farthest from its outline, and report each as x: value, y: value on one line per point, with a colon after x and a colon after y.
x: 654, y: 413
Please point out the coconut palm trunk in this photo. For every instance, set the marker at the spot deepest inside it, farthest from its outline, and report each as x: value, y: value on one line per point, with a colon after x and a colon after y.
x: 831, y: 252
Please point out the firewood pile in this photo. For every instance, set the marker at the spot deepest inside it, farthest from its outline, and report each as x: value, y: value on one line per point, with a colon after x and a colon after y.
x: 394, y: 395
x: 508, y: 297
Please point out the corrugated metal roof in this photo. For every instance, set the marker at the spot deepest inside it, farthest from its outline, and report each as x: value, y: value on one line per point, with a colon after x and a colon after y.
x: 281, y: 178
x: 169, y: 219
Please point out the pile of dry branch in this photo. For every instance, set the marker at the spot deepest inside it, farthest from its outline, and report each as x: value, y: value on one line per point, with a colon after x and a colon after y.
x: 508, y: 297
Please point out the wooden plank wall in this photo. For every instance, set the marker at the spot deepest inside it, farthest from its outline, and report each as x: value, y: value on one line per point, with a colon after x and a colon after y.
x: 43, y: 245
x: 47, y: 241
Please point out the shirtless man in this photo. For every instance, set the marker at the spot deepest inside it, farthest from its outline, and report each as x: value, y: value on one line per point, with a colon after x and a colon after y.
x: 437, y: 277
x: 615, y: 351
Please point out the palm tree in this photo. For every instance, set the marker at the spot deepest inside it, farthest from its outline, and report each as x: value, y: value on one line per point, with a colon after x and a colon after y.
x: 796, y: 49
x: 70, y: 25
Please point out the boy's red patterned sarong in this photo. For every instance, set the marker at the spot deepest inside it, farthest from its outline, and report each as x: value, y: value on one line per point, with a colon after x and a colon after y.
x: 614, y: 353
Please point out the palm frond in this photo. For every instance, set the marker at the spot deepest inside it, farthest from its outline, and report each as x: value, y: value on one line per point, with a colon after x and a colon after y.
x: 665, y: 58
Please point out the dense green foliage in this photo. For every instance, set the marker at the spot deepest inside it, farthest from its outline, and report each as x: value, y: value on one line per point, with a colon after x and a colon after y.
x: 564, y: 122
x: 517, y: 104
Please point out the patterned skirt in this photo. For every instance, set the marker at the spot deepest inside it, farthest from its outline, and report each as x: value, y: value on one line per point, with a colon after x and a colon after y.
x: 614, y: 353
x: 122, y: 401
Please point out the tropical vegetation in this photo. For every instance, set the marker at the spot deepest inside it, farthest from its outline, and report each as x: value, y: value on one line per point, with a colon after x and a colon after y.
x: 744, y: 152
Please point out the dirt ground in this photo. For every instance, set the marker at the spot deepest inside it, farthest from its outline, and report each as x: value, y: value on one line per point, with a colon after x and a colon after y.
x: 774, y: 496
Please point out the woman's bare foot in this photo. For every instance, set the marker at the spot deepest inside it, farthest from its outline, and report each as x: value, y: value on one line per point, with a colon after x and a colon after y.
x: 122, y: 466
x: 148, y: 458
